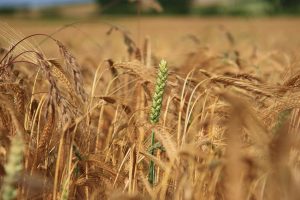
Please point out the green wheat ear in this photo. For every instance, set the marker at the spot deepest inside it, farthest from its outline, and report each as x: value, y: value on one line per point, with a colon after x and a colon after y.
x: 157, y: 99
x: 13, y: 168
x: 159, y: 91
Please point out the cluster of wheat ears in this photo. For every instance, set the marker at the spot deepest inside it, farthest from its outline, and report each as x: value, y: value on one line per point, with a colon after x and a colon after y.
x: 141, y: 129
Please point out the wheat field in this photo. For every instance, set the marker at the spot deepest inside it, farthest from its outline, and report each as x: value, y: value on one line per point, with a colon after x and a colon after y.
x: 150, y: 108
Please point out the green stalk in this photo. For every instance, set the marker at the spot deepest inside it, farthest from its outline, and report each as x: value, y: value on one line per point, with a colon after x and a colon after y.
x: 157, y: 100
x: 152, y: 167
x: 13, y: 168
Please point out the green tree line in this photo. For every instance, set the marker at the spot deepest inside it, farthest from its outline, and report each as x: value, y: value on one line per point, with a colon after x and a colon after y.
x: 127, y: 7
x: 184, y: 6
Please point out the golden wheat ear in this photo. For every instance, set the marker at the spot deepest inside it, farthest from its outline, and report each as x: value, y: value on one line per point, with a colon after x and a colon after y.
x: 14, y: 165
x: 74, y: 69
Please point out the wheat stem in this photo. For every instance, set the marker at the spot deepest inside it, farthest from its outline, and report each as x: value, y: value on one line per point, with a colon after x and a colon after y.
x: 13, y: 168
x: 157, y: 99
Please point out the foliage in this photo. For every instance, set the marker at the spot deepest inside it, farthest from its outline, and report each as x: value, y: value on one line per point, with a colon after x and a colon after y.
x: 127, y: 7
x: 7, y: 11
x: 285, y: 6
x: 176, y: 6
x: 116, y: 7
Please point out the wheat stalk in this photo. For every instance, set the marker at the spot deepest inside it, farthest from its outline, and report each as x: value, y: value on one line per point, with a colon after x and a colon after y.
x: 157, y: 100
x: 13, y: 168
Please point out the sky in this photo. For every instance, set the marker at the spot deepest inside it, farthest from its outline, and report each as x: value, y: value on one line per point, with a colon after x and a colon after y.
x: 37, y: 3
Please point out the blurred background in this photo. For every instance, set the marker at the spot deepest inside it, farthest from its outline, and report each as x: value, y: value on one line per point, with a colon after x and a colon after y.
x: 256, y: 43
x: 92, y: 8
x: 100, y: 29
